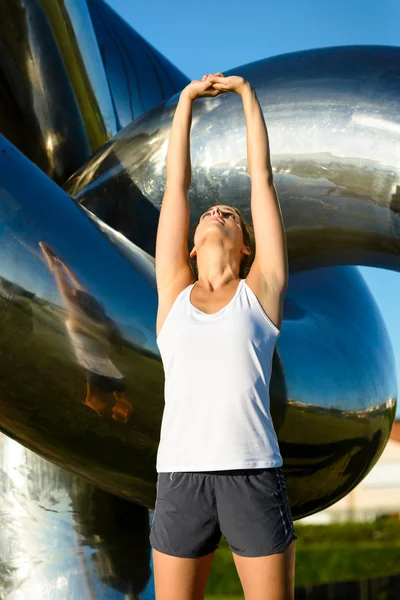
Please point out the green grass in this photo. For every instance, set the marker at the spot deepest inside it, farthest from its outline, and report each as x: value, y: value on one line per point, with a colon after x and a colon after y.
x: 324, y: 554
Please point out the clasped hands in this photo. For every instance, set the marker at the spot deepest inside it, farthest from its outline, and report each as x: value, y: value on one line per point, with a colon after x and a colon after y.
x: 53, y: 261
x: 213, y: 85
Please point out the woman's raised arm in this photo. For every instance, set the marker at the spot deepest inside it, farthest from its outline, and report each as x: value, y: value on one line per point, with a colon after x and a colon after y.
x: 271, y: 253
x: 173, y: 226
x: 269, y: 271
x: 173, y: 270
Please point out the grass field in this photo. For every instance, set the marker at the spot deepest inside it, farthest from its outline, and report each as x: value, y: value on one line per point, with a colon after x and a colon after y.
x: 324, y: 554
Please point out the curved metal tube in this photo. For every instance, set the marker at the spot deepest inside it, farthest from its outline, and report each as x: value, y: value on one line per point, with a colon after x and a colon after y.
x: 68, y: 308
x: 139, y: 77
x: 48, y: 402
x: 58, y: 103
x: 64, y: 539
x: 333, y: 119
x: 341, y: 386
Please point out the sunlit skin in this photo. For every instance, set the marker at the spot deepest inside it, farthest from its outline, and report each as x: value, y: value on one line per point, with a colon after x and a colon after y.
x: 218, y: 247
x: 218, y: 251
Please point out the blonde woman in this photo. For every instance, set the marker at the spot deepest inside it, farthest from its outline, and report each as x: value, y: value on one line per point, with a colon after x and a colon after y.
x: 218, y: 462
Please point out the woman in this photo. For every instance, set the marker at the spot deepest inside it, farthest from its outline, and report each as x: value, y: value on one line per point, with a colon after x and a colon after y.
x: 91, y: 332
x: 218, y: 463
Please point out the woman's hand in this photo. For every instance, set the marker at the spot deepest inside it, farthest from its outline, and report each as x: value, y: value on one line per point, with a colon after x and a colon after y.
x: 233, y: 83
x: 203, y: 88
x: 51, y: 258
x: 46, y: 249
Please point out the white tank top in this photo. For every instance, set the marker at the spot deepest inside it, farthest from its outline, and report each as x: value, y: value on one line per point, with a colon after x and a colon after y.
x: 217, y: 374
x: 92, y: 354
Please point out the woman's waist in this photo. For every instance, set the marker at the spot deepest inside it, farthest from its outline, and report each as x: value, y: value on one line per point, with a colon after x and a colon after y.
x: 218, y: 426
x: 235, y: 394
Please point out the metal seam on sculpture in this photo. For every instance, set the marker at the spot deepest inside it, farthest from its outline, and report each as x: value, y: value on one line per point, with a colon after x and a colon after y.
x: 163, y: 68
x: 130, y: 60
x: 133, y: 65
x: 128, y: 83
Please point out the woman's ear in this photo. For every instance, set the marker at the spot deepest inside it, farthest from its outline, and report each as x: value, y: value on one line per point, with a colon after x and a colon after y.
x: 193, y: 253
x: 246, y: 250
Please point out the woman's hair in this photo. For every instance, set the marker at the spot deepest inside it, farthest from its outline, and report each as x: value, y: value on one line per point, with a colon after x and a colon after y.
x: 248, y: 240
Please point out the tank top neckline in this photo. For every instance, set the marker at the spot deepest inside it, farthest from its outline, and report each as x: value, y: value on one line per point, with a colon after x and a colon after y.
x: 221, y: 310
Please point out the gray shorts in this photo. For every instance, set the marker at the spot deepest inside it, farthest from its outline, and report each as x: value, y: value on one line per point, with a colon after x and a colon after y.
x: 248, y: 506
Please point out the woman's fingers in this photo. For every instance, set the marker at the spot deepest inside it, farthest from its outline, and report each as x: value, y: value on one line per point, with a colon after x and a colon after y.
x: 204, y: 86
x: 210, y: 75
x: 220, y: 86
x: 219, y: 74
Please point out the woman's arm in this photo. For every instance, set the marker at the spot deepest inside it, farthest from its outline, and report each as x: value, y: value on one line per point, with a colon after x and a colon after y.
x: 55, y: 267
x: 268, y: 276
x: 271, y: 252
x: 75, y: 281
x: 173, y: 226
x: 62, y: 275
x: 173, y: 270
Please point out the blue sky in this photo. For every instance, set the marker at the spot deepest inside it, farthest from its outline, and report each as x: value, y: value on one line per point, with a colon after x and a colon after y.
x: 217, y: 35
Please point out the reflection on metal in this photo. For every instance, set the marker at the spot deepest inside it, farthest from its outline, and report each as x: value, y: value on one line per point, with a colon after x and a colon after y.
x: 340, y: 383
x: 58, y: 103
x: 82, y: 383
x: 63, y: 539
x: 46, y: 403
x: 333, y: 118
x: 333, y: 387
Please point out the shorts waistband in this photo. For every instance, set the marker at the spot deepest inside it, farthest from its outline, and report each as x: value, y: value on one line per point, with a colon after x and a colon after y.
x: 231, y: 471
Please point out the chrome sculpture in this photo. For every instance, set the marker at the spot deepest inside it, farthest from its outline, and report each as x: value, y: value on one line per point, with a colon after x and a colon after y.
x: 73, y: 74
x: 333, y: 389
x: 139, y: 77
x: 77, y: 281
x: 64, y: 539
x: 333, y: 119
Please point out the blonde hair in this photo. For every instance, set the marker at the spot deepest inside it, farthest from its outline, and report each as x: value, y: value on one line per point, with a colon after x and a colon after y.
x: 248, y: 240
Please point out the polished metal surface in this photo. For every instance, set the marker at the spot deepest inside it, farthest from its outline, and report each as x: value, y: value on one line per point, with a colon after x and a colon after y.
x: 138, y: 75
x: 333, y: 116
x: 64, y: 539
x: 81, y: 379
x: 58, y: 103
x: 333, y: 387
x: 54, y: 101
x: 341, y: 386
x: 47, y: 401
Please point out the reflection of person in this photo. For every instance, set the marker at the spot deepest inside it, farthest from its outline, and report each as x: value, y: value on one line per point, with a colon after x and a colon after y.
x: 90, y: 332
x: 218, y: 462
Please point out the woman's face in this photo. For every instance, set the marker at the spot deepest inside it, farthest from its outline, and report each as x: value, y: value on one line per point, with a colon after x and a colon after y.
x: 221, y: 220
